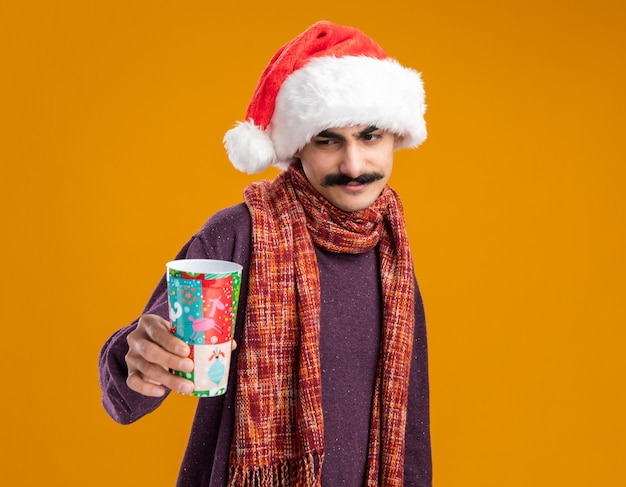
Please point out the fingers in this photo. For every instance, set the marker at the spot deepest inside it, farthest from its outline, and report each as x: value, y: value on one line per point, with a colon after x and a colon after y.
x: 152, y: 379
x: 159, y: 331
x: 152, y: 351
x: 138, y: 383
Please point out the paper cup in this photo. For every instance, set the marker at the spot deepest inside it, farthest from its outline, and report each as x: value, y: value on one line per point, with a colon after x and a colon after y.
x: 203, y: 296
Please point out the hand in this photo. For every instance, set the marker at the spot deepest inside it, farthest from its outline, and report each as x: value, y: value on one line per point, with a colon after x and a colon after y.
x: 152, y: 351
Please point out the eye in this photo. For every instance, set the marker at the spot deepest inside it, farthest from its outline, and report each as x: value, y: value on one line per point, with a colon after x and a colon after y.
x: 371, y: 137
x: 324, y: 142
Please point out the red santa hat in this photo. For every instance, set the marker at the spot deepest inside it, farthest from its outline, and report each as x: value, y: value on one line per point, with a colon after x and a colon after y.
x: 328, y: 76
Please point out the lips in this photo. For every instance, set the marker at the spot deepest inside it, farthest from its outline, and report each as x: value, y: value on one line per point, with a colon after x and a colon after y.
x: 353, y: 187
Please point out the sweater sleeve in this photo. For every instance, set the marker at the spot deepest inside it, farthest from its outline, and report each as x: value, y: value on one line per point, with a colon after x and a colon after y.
x: 224, y: 236
x: 417, y: 457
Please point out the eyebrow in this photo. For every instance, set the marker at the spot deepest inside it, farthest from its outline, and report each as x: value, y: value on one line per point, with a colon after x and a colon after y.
x: 329, y: 134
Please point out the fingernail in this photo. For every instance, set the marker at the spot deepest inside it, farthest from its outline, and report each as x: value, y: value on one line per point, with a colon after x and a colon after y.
x: 186, y: 388
x: 186, y: 365
x: 157, y: 391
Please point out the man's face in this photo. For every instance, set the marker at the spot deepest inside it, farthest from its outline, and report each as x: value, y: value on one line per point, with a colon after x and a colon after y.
x: 349, y: 166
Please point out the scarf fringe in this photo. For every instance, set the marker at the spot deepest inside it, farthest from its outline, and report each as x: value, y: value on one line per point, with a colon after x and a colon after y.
x: 303, y: 472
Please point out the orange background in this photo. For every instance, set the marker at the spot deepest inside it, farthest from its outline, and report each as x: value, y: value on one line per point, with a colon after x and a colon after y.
x: 516, y: 206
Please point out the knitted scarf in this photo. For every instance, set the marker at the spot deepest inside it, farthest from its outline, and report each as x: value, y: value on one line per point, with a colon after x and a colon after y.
x: 278, y: 437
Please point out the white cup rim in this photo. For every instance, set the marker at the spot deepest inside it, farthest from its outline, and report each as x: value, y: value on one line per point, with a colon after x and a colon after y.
x: 204, y: 266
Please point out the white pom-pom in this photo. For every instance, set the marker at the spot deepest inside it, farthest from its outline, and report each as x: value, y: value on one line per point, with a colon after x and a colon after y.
x: 249, y: 148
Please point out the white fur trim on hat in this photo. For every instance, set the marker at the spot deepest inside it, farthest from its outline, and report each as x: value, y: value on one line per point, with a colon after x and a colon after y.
x: 331, y: 92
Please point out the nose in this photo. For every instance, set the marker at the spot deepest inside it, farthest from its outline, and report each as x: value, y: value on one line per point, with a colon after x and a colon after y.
x: 353, y: 160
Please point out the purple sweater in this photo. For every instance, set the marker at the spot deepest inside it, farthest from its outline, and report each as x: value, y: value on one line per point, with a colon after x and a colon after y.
x: 350, y: 332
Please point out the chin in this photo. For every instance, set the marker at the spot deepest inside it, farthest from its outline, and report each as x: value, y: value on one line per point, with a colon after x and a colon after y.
x: 350, y: 202
x: 351, y: 206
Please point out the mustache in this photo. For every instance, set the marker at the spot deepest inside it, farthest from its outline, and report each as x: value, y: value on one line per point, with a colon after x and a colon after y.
x: 343, y: 179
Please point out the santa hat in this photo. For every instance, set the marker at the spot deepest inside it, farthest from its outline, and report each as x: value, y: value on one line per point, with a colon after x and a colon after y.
x: 329, y: 76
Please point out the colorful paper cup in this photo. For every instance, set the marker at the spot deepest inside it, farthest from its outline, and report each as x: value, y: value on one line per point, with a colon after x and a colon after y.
x: 203, y: 296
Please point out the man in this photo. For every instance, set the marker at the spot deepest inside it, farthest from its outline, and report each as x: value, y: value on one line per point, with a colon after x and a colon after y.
x: 329, y: 382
